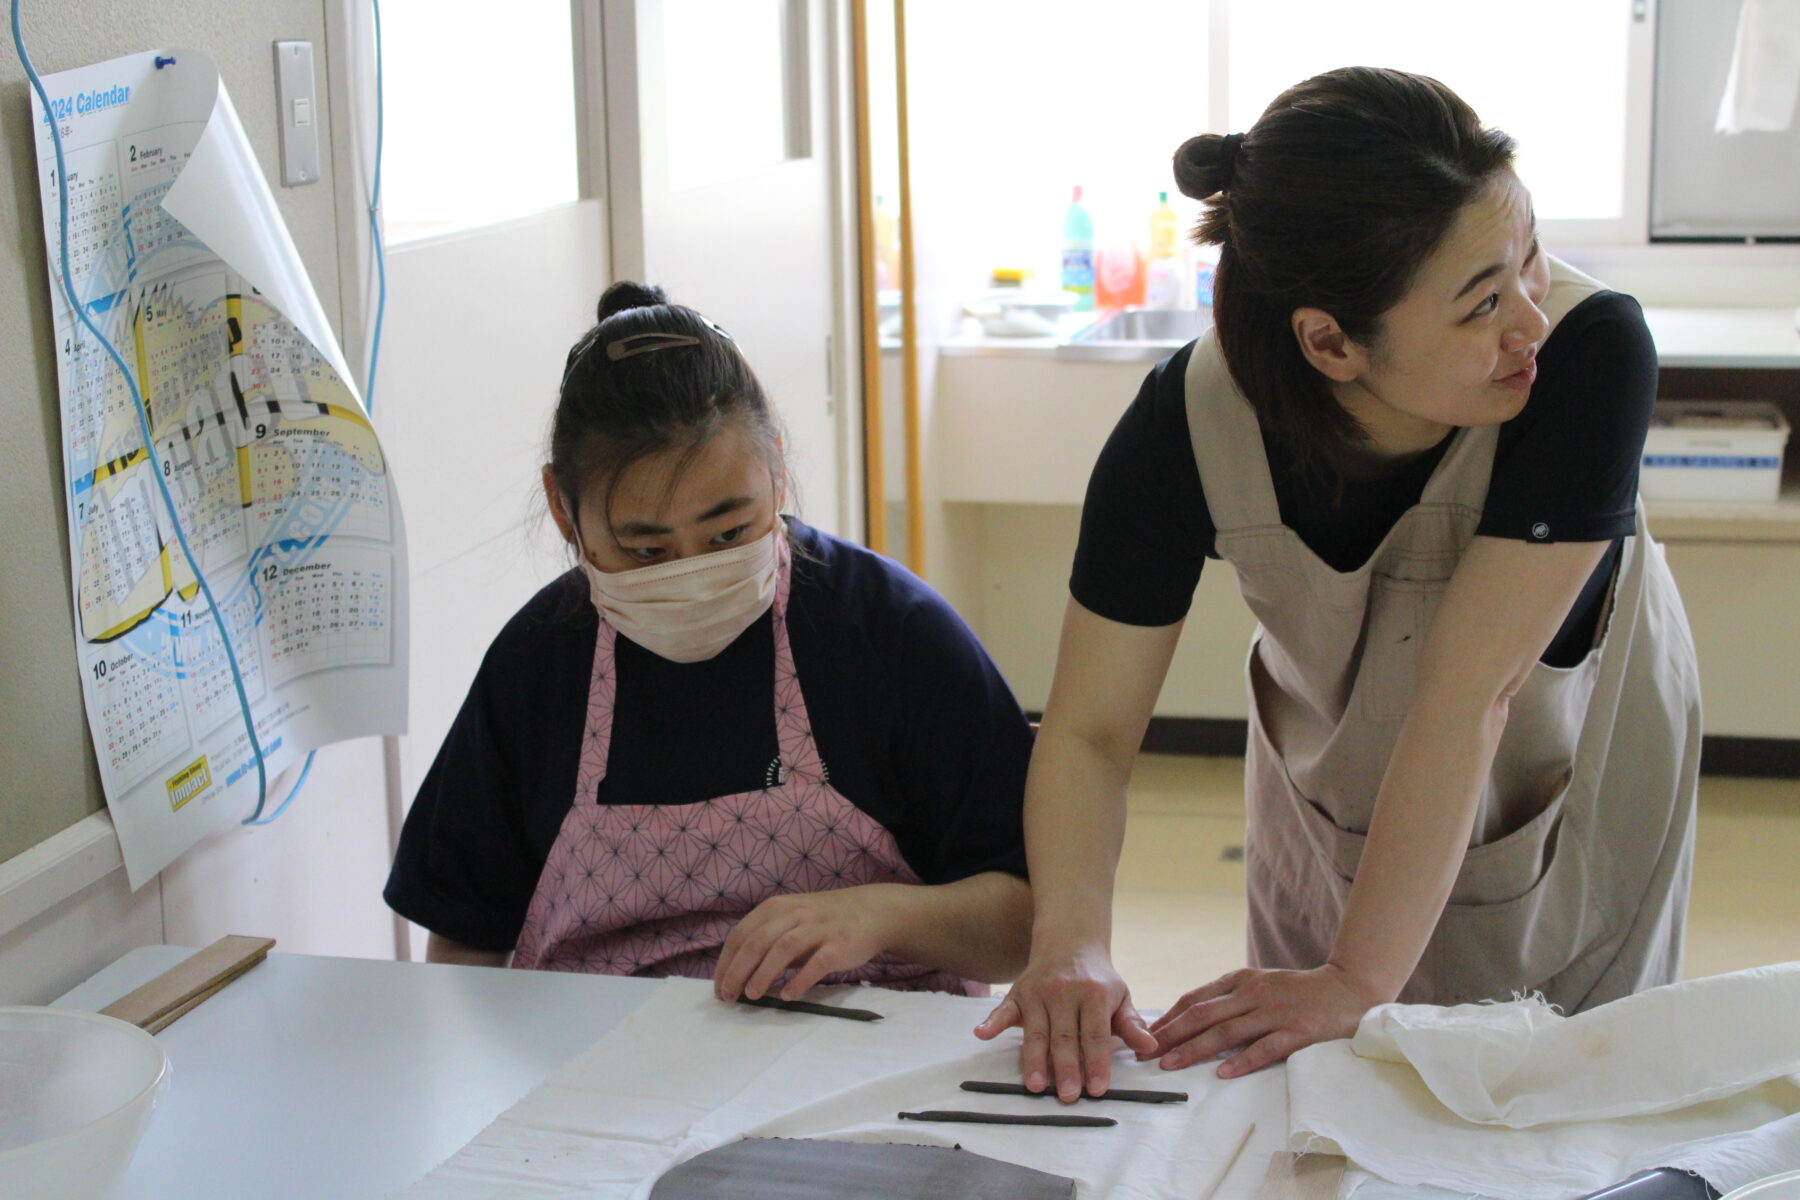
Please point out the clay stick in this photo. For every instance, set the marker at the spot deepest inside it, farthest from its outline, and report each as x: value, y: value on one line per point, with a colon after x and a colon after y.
x: 807, y: 1006
x: 1127, y: 1094
x: 982, y: 1118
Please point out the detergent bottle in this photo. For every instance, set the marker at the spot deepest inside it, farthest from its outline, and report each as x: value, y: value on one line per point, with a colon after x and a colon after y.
x: 1078, y: 254
x: 1206, y: 263
x: 1163, y: 278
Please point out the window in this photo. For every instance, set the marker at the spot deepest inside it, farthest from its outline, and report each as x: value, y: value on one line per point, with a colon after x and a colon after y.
x: 726, y: 95
x: 480, y: 112
x: 1016, y: 101
x: 1550, y: 73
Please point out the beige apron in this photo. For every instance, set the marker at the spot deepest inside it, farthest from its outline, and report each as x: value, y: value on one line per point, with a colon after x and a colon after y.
x: 1576, y: 879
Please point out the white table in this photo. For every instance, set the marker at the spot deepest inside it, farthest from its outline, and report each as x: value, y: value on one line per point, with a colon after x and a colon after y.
x: 317, y: 1077
x: 313, y: 1077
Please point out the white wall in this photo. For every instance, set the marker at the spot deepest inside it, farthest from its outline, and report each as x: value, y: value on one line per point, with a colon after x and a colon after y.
x: 466, y: 433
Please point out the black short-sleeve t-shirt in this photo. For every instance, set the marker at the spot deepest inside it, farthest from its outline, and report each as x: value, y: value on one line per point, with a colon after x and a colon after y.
x: 913, y: 720
x: 1565, y: 469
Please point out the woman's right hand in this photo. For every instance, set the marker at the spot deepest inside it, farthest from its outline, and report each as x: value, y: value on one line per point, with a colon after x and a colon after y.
x: 1071, y: 1003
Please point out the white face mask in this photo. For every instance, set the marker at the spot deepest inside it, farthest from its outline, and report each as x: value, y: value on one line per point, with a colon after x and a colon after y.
x: 690, y: 609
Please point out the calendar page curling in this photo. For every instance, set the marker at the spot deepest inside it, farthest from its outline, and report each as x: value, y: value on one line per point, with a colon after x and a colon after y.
x: 179, y: 255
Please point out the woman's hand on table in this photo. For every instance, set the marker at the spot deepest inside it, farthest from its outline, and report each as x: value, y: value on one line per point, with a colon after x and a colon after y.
x: 1263, y: 1015
x: 1070, y: 1005
x: 811, y: 933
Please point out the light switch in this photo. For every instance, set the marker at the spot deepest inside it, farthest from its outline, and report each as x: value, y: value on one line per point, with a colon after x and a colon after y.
x: 294, y: 100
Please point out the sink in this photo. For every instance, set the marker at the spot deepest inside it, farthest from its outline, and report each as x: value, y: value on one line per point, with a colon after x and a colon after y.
x: 1137, y: 334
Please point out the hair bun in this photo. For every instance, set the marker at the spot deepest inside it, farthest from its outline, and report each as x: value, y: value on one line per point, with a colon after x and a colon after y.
x: 1203, y: 165
x: 625, y: 296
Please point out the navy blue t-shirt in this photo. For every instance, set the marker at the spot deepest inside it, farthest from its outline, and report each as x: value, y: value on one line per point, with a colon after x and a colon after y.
x: 1565, y: 469
x: 913, y: 720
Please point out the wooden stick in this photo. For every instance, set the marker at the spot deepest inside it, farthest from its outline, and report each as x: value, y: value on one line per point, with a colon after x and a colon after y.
x: 1231, y: 1162
x: 184, y: 986
x: 1127, y: 1094
x: 982, y: 1118
x: 874, y: 462
x: 912, y: 421
x: 807, y: 1006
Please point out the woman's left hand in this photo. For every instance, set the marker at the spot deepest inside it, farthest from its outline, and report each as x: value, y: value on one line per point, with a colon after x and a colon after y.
x: 1264, y: 1015
x: 812, y: 933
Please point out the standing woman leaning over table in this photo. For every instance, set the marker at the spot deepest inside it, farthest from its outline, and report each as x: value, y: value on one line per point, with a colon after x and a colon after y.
x: 1474, y: 710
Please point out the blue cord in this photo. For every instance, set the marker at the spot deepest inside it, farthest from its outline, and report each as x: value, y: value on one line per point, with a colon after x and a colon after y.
x: 374, y: 346
x: 137, y: 406
x: 375, y: 218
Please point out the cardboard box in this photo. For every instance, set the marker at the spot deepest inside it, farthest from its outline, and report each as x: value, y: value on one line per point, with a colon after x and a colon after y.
x: 1714, y: 450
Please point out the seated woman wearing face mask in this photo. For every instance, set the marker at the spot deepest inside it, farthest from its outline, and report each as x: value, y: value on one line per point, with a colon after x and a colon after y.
x: 726, y: 745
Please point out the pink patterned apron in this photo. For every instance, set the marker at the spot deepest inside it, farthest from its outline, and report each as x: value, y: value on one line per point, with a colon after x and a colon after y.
x: 654, y: 889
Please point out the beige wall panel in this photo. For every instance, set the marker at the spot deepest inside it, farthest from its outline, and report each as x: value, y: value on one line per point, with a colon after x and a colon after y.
x: 1741, y: 600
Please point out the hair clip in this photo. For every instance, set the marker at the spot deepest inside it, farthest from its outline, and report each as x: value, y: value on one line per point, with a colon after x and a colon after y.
x: 647, y: 342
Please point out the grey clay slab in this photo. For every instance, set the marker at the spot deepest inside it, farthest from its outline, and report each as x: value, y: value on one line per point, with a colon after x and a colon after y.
x: 801, y: 1169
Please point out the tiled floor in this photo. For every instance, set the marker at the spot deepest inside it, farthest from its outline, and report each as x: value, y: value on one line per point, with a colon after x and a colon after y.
x: 1179, y: 908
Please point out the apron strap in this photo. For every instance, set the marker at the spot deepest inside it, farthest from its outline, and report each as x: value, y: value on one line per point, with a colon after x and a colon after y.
x: 1228, y: 444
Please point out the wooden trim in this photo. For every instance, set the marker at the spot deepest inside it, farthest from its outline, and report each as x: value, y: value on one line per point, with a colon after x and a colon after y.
x: 909, y: 319
x: 1226, y: 737
x: 874, y: 478
x: 1211, y: 737
x: 37, y: 880
x: 1758, y: 757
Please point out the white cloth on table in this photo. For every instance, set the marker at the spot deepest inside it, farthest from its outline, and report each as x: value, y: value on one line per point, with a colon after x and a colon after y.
x: 1513, y: 1100
x: 684, y: 1073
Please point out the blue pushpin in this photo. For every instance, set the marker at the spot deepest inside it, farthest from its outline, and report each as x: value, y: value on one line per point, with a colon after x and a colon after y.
x: 162, y: 62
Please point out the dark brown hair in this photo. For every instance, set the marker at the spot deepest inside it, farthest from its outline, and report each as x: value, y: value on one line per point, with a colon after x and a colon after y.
x: 649, y: 377
x: 1332, y: 200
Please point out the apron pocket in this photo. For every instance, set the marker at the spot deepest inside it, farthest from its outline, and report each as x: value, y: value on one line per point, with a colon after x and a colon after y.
x: 1499, y: 872
x: 1522, y: 910
x: 1509, y: 867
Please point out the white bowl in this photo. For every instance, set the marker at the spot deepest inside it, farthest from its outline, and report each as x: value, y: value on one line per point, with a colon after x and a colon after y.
x: 1773, y: 1187
x: 76, y: 1090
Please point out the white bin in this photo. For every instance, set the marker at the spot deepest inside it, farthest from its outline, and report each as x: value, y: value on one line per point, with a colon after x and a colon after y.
x: 1714, y: 450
